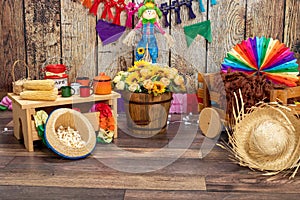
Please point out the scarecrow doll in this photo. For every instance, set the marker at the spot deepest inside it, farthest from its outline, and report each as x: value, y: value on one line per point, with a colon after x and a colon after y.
x: 149, y: 15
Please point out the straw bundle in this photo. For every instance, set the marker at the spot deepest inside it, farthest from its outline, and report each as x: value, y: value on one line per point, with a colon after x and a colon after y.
x: 66, y: 117
x: 266, y: 138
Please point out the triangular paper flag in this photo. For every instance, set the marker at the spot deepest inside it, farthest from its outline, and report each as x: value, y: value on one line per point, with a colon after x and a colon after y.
x: 201, y: 28
x: 109, y: 32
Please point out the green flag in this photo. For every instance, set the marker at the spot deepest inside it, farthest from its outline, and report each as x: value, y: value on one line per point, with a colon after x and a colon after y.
x: 201, y: 28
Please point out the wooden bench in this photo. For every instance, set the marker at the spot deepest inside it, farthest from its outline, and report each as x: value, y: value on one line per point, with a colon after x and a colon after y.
x: 24, y: 110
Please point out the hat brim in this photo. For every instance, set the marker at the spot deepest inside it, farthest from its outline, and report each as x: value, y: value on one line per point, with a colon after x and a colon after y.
x: 251, y: 148
x: 68, y: 117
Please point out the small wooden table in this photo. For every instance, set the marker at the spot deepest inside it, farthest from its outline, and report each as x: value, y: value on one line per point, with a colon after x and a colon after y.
x: 24, y: 110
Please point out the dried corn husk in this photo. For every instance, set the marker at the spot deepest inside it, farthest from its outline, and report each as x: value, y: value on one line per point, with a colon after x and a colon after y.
x: 44, y: 85
x: 266, y: 138
x: 50, y: 95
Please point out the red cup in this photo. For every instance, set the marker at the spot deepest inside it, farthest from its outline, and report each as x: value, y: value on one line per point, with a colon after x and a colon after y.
x: 84, y: 81
x: 86, y: 91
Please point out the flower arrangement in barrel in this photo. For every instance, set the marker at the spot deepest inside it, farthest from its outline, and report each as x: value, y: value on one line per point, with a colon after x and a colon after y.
x: 145, y: 77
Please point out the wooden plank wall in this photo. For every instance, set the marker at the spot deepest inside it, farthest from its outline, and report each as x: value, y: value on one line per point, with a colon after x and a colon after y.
x: 40, y: 30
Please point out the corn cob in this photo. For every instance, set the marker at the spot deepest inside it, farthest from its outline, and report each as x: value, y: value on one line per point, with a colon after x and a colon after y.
x: 49, y: 95
x: 43, y: 85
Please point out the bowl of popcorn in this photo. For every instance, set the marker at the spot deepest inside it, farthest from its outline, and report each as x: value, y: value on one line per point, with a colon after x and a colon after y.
x: 70, y: 134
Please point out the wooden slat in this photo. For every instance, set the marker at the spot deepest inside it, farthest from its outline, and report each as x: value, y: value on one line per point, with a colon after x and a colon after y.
x: 265, y: 18
x: 253, y: 182
x: 5, y: 160
x: 291, y: 22
x: 200, y: 107
x: 111, y: 180
x: 62, y: 100
x: 285, y: 94
x: 50, y: 193
x: 293, y: 92
x: 203, y: 195
x: 78, y: 39
x: 42, y: 19
x: 200, y: 78
x: 227, y: 23
x: 200, y: 93
x: 11, y: 42
x: 35, y: 135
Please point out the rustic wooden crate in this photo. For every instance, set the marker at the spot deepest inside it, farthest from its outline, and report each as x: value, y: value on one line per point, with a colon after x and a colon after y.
x: 283, y: 95
x: 206, y: 96
x: 211, y: 116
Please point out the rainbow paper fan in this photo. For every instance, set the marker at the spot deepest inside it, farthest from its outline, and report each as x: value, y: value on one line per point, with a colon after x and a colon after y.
x: 263, y: 56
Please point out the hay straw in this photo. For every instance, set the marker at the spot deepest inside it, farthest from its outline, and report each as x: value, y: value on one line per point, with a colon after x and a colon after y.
x: 265, y: 138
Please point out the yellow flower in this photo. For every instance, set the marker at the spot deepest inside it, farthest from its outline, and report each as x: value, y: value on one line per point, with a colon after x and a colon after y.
x: 138, y: 65
x: 157, y: 70
x: 132, y: 78
x: 158, y: 88
x: 141, y: 50
x: 141, y: 64
x: 131, y: 69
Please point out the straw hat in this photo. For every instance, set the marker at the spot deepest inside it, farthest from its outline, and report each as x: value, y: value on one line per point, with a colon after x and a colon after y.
x: 267, y: 138
x: 69, y: 118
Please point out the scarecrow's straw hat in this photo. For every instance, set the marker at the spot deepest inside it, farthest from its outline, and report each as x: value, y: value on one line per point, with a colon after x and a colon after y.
x: 266, y: 138
x: 69, y: 118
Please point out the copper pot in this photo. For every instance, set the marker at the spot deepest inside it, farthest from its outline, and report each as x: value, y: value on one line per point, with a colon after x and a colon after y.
x: 102, y: 84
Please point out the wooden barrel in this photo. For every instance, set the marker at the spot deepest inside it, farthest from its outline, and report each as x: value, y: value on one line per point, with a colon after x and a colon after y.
x: 147, y: 114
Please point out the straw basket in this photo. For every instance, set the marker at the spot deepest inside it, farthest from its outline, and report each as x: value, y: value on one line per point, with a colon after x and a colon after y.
x: 147, y: 114
x: 68, y: 117
x: 18, y: 85
x: 267, y: 139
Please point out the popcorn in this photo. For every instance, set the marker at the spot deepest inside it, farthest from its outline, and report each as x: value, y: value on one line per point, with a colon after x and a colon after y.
x: 70, y: 137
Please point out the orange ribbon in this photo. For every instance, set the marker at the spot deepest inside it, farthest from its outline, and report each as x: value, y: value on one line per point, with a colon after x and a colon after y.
x: 87, y: 3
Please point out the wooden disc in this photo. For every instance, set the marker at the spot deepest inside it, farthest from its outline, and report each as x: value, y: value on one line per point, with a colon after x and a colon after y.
x: 210, y: 123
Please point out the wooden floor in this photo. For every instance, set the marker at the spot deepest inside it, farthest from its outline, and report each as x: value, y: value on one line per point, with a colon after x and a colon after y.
x: 44, y: 175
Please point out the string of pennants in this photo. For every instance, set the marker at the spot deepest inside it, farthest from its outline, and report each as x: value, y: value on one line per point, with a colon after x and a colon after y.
x: 109, y: 28
x: 175, y: 5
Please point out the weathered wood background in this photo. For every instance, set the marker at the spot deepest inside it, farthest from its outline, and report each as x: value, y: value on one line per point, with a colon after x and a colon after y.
x: 47, y: 31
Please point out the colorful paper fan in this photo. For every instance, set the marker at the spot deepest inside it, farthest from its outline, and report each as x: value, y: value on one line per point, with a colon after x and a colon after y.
x: 263, y: 56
